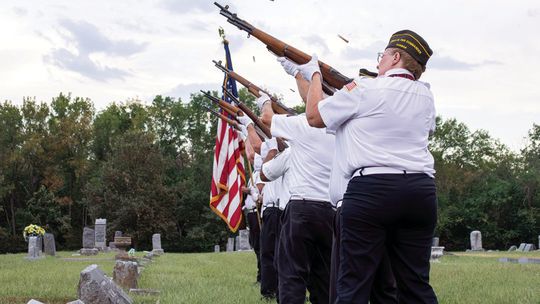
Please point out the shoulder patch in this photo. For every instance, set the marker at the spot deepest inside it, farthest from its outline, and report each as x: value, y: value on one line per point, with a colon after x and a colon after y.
x: 350, y: 86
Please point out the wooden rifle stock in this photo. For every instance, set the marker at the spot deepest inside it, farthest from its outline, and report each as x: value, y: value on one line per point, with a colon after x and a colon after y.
x: 330, y: 75
x: 258, y: 123
x: 227, y: 107
x: 231, y: 122
x: 277, y: 106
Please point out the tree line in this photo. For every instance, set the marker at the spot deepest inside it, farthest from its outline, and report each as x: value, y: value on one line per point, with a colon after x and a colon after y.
x: 147, y: 169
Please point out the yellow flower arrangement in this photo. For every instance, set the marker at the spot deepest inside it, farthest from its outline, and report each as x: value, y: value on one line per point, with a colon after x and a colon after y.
x: 33, y: 230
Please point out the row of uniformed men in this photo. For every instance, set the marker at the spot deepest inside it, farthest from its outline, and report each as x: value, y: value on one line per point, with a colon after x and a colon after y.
x: 368, y: 143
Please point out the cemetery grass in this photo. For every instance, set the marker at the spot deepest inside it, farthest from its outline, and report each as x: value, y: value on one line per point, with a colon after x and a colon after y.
x: 230, y: 278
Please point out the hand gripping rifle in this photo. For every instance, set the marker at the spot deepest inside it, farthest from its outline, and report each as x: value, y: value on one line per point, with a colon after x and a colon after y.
x: 277, y: 106
x: 281, y: 144
x: 330, y: 75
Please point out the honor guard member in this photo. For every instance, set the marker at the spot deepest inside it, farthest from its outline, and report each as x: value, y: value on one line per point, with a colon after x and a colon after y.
x: 271, y: 216
x: 252, y: 216
x: 390, y: 202
x: 305, y: 243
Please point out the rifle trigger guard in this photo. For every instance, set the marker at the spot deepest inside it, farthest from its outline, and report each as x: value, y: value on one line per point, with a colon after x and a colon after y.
x: 249, y: 35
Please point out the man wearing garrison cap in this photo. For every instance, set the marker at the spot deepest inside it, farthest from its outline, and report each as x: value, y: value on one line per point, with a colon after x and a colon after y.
x: 382, y: 126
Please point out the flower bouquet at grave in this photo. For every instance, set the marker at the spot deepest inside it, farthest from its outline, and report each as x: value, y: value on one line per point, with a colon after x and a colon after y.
x: 32, y: 230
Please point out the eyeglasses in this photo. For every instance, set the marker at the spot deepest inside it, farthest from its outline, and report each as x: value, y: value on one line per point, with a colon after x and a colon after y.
x: 379, y: 56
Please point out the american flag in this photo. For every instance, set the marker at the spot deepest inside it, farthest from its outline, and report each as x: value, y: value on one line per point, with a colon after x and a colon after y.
x: 228, y: 174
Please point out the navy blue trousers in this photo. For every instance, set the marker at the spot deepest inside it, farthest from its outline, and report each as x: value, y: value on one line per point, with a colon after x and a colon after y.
x: 304, y: 251
x: 383, y: 291
x: 393, y: 213
x: 269, y: 237
x: 254, y: 239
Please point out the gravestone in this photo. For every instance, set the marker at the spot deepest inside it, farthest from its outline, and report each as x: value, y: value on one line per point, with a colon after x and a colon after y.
x: 521, y: 247
x: 101, y: 234
x: 33, y: 250
x: 216, y: 248
x: 230, y: 244
x: 39, y: 244
x: 95, y: 287
x: 435, y: 242
x: 436, y: 252
x: 75, y: 302
x: 539, y: 242
x: 529, y: 248
x: 512, y: 248
x: 476, y: 241
x: 244, y: 240
x: 156, y: 244
x: 88, y: 242
x: 237, y: 243
x: 118, y: 233
x: 125, y: 274
x: 50, y: 246
x: 32, y: 301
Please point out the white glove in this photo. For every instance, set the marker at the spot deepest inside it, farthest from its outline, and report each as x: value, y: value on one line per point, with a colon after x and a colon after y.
x: 243, y: 132
x: 271, y: 144
x: 254, y: 192
x: 290, y: 67
x: 307, y: 70
x: 257, y: 162
x: 262, y: 100
x: 244, y: 120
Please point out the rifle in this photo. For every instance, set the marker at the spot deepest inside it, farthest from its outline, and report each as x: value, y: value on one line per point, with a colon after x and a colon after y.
x: 277, y: 106
x: 258, y: 123
x: 330, y: 75
x: 231, y: 122
x: 227, y: 107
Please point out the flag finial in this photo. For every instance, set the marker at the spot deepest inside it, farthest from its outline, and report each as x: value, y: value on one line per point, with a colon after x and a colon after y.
x: 221, y: 32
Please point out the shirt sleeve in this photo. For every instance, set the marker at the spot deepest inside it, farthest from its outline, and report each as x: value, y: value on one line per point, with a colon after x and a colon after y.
x: 288, y: 127
x: 277, y: 166
x: 342, y: 106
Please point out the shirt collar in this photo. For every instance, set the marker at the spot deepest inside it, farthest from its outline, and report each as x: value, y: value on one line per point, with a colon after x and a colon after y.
x: 397, y: 71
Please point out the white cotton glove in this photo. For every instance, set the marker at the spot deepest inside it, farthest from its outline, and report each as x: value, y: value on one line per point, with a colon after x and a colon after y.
x: 307, y: 70
x: 271, y: 144
x: 257, y: 162
x: 243, y: 132
x: 244, y: 120
x: 254, y: 193
x: 262, y: 100
x: 290, y: 67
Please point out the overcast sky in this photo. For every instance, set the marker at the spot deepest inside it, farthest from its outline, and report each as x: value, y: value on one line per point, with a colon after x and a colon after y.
x: 484, y: 71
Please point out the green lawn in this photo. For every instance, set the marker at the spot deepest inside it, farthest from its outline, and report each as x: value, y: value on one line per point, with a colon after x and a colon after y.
x: 229, y: 278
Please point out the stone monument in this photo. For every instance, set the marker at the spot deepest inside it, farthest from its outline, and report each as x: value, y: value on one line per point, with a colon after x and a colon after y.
x: 243, y: 236
x: 122, y: 243
x: 88, y: 242
x: 230, y: 244
x: 435, y: 242
x: 33, y: 250
x: 156, y: 244
x: 101, y: 234
x: 216, y: 248
x: 521, y: 247
x: 476, y: 241
x: 436, y: 253
x: 95, y: 287
x: 50, y: 246
x: 125, y: 274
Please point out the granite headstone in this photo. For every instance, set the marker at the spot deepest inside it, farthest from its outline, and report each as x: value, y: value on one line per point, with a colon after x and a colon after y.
x: 230, y: 244
x: 101, y: 234
x: 244, y: 240
x: 156, y: 244
x: 50, y: 246
x: 476, y: 241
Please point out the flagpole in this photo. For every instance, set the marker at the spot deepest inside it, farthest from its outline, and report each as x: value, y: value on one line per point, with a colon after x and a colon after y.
x: 250, y: 171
